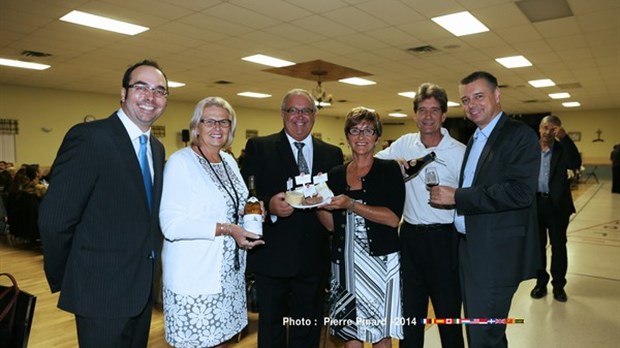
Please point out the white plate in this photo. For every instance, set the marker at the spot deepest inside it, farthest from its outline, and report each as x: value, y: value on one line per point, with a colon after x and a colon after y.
x: 325, y: 201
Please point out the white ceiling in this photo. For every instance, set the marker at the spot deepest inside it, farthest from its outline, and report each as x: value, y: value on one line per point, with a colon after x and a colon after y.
x: 199, y: 42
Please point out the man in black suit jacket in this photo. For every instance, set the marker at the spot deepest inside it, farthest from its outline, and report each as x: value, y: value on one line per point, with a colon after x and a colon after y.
x: 291, y: 268
x: 495, y: 209
x: 555, y: 203
x: 100, y: 231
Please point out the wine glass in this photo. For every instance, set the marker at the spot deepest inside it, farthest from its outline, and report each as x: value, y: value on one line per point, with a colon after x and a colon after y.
x: 431, y: 177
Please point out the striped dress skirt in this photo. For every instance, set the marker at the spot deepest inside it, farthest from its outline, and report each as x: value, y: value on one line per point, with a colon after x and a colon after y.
x: 365, y: 297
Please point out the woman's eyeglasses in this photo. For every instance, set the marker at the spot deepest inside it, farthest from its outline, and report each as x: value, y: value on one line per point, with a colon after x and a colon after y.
x: 366, y: 131
x: 211, y: 123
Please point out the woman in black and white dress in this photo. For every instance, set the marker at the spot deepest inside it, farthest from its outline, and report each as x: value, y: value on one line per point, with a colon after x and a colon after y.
x: 203, y: 257
x: 364, y: 214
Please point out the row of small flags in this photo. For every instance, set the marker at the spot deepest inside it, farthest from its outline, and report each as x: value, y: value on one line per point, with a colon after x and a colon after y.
x: 477, y: 321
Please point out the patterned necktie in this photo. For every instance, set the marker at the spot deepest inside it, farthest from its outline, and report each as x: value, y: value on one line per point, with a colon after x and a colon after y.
x: 301, y: 160
x: 146, y: 170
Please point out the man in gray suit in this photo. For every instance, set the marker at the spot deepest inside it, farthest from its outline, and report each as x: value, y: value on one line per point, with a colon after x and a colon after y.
x: 99, y: 220
x: 495, y: 209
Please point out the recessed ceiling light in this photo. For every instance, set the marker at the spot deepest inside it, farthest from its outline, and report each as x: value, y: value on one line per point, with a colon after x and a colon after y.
x: 98, y: 22
x: 541, y: 83
x: 461, y: 23
x: 453, y: 104
x: 25, y: 65
x: 513, y: 62
x: 174, y: 84
x: 407, y: 94
x: 562, y: 95
x: 266, y: 60
x: 397, y: 114
x: 571, y: 104
x: 357, y: 81
x: 254, y: 95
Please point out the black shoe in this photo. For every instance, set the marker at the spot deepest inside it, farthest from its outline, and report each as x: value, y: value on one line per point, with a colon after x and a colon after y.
x: 538, y: 292
x: 560, y: 295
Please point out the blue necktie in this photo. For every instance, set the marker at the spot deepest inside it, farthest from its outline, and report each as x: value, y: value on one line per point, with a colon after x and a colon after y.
x: 146, y: 170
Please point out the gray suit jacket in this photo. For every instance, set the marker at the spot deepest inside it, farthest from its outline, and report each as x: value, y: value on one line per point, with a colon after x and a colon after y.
x: 500, y: 206
x: 100, y: 241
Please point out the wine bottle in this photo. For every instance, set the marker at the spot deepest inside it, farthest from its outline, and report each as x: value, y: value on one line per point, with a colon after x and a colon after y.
x: 252, y: 217
x: 416, y: 165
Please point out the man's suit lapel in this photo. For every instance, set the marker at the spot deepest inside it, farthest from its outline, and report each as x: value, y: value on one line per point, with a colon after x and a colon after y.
x: 470, y: 143
x: 158, y: 167
x: 486, y: 151
x: 318, y: 157
x: 285, y: 153
x: 124, y: 149
x: 555, y: 158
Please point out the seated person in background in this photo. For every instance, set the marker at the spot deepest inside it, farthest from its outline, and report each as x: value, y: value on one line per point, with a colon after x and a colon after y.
x: 23, y: 205
x: 6, y: 180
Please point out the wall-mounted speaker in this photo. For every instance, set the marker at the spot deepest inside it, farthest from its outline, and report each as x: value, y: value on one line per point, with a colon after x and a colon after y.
x: 185, y: 135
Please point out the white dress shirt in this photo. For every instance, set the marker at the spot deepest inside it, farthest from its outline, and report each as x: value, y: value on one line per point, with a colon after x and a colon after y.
x: 449, y: 153
x: 134, y: 134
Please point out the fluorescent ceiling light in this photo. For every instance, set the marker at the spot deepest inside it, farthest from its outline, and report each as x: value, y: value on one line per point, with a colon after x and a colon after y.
x: 254, y: 95
x: 571, y: 104
x: 407, y: 94
x: 357, y: 81
x: 513, y: 62
x: 25, y: 65
x: 453, y: 104
x: 323, y: 104
x: 397, y: 114
x: 98, y: 22
x: 173, y: 84
x: 562, y: 95
x: 541, y: 83
x: 266, y: 60
x: 461, y: 23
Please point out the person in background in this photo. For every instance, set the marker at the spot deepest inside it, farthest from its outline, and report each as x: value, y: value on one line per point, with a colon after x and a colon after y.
x: 429, y: 258
x: 23, y: 205
x: 99, y: 222
x: 6, y: 180
x: 555, y: 203
x: 495, y: 209
x: 241, y: 158
x: 615, y: 169
x: 365, y: 304
x: 291, y: 269
x: 203, y: 257
x: 4, y: 228
x: 34, y: 183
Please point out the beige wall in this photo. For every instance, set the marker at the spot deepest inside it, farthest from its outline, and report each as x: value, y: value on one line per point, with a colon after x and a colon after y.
x: 58, y: 110
x: 37, y: 108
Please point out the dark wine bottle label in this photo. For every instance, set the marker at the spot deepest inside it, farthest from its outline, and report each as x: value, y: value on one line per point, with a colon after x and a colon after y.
x: 416, y: 165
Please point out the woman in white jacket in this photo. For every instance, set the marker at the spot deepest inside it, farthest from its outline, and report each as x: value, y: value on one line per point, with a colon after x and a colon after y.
x: 203, y: 256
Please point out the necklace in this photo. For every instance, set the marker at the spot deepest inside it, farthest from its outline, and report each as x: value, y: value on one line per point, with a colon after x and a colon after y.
x: 234, y: 198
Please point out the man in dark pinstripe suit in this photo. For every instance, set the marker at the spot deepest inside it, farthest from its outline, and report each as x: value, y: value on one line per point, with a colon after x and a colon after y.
x: 99, y: 219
